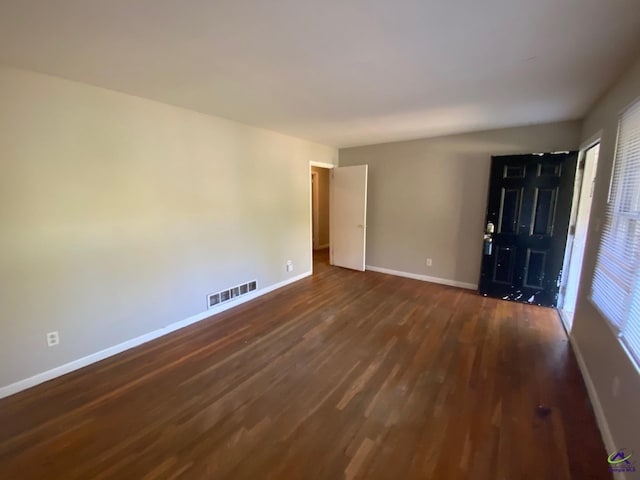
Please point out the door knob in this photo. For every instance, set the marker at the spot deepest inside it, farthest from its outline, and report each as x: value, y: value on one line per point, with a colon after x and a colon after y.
x: 490, y: 228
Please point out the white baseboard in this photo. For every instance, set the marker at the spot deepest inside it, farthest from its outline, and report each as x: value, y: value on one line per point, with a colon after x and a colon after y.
x: 424, y: 278
x: 601, y: 419
x: 134, y: 342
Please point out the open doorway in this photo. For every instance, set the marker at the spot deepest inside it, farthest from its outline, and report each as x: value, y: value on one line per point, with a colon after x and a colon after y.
x: 320, y: 217
x: 338, y: 206
x: 578, y: 230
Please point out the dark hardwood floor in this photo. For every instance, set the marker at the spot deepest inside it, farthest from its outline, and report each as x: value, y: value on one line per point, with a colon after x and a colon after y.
x: 341, y: 375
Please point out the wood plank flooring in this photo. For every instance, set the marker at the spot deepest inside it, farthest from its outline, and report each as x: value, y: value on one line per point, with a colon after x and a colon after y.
x: 344, y: 375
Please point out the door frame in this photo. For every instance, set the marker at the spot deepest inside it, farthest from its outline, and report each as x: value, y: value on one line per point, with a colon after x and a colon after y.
x: 569, y: 261
x: 321, y: 165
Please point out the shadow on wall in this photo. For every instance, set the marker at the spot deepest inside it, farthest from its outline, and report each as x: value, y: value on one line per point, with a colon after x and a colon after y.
x: 474, y: 185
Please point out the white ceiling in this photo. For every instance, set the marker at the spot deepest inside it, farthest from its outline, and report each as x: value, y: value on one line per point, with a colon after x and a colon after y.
x: 339, y: 72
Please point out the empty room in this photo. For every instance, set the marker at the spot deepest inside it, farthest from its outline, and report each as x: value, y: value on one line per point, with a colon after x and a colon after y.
x: 320, y: 240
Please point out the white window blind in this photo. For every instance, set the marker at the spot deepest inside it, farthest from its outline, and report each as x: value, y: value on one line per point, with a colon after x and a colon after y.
x: 616, y: 283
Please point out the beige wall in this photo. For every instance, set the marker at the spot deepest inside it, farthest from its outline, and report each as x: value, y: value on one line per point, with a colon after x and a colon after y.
x: 603, y: 355
x: 427, y: 198
x: 323, y: 204
x: 119, y: 215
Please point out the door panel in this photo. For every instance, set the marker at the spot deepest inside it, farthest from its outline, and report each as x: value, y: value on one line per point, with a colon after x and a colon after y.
x: 504, y: 265
x: 535, y: 268
x: 348, y: 204
x: 527, y: 222
x: 544, y: 209
x: 510, y: 205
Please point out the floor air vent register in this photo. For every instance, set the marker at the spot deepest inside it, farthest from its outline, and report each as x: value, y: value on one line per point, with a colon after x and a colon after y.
x: 223, y: 296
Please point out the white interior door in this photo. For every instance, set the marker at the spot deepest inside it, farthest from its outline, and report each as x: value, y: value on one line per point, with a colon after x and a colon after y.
x: 348, y: 216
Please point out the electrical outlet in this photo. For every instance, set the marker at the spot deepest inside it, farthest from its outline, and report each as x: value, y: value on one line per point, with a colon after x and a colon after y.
x: 53, y: 339
x: 289, y: 266
x: 429, y: 262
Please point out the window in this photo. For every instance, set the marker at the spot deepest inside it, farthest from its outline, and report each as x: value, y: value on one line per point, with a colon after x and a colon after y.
x: 616, y: 283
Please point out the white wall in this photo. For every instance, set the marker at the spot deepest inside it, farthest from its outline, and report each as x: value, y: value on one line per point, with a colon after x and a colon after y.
x: 602, y: 354
x: 118, y: 215
x: 428, y: 198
